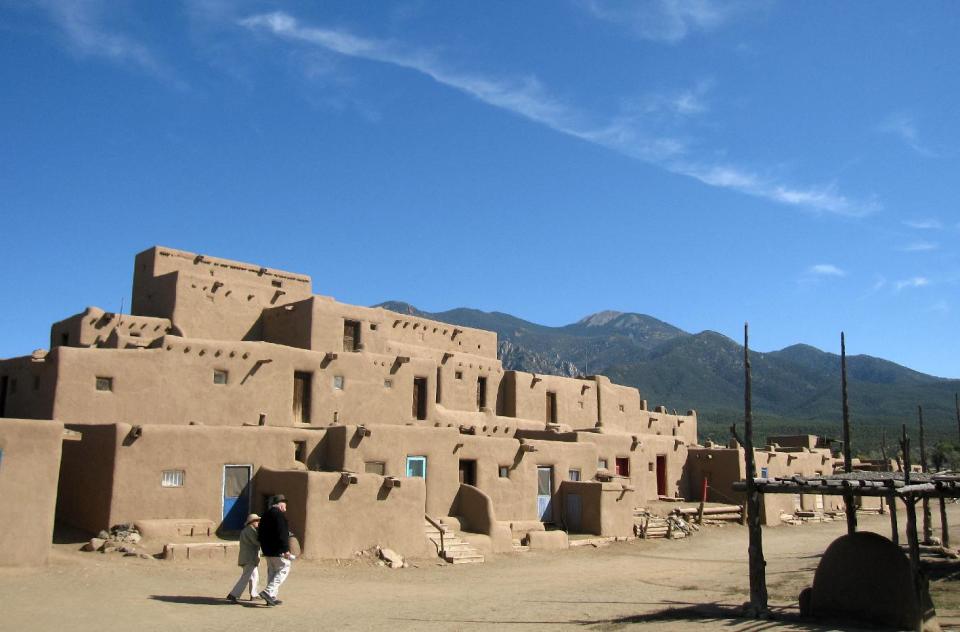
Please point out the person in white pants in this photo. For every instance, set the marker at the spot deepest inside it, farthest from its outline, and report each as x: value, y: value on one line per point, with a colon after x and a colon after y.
x: 274, y: 534
x: 248, y: 560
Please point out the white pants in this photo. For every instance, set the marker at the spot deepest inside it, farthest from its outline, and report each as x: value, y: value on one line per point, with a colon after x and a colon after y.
x: 277, y: 570
x: 250, y: 577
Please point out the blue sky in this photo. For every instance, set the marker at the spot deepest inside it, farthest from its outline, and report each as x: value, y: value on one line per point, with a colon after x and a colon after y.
x: 794, y: 165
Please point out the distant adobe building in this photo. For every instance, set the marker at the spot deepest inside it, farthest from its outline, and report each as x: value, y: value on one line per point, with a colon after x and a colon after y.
x: 229, y: 382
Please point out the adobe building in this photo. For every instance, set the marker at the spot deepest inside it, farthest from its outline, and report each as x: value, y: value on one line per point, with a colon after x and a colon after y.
x: 229, y: 382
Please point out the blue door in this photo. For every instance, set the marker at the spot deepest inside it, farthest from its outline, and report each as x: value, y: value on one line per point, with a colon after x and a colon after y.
x: 544, y: 493
x: 236, y: 496
x: 416, y: 467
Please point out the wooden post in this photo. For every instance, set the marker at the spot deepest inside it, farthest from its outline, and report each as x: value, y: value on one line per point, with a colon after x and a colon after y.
x: 944, y: 528
x: 758, y: 571
x: 956, y: 403
x: 848, y: 499
x: 703, y: 499
x: 894, y: 532
x: 927, y: 527
x: 911, y: 503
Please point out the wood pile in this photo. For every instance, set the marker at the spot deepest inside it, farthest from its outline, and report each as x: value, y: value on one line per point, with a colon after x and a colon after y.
x: 649, y: 526
x: 718, y: 513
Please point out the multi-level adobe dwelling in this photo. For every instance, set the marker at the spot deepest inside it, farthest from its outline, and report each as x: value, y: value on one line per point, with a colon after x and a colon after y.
x: 229, y: 382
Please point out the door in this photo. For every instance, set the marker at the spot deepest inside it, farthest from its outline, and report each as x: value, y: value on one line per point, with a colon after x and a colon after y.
x: 661, y: 475
x: 551, y: 407
x: 417, y: 467
x: 351, y: 335
x: 468, y: 472
x: 420, y: 398
x: 573, y: 511
x: 544, y: 492
x: 481, y: 393
x: 623, y: 466
x: 302, y: 382
x: 236, y: 496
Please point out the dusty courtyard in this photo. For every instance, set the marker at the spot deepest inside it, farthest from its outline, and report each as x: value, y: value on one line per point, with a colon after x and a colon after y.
x: 657, y: 584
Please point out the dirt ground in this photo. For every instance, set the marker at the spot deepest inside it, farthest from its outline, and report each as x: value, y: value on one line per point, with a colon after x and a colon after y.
x: 656, y: 584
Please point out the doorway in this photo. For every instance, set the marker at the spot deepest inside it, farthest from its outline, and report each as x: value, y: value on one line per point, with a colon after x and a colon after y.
x: 551, y: 407
x: 661, y: 475
x: 302, y: 382
x: 544, y: 492
x: 351, y: 335
x: 236, y: 496
x: 468, y: 472
x: 420, y: 398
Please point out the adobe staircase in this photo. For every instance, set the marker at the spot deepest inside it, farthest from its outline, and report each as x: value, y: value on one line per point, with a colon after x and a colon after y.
x: 449, y: 545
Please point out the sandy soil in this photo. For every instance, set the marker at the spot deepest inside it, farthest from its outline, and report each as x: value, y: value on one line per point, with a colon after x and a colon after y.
x: 656, y: 584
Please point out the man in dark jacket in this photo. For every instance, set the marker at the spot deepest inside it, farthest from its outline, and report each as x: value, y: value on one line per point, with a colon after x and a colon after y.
x: 274, y: 535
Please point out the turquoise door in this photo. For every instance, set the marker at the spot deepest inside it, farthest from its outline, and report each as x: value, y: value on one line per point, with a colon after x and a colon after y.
x: 236, y: 496
x: 544, y: 493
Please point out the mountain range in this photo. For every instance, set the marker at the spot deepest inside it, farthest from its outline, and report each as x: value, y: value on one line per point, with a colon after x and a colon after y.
x: 795, y: 389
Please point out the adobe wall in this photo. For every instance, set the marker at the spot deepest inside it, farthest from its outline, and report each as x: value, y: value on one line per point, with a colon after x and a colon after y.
x: 114, y: 476
x: 642, y: 456
x: 29, y: 468
x: 320, y: 505
x: 576, y: 398
x: 95, y: 327
x: 606, y: 508
x: 30, y: 384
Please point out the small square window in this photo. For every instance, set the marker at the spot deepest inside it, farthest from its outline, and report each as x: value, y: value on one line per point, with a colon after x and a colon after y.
x: 650, y: 467
x: 764, y: 472
x: 276, y: 283
x: 373, y: 326
x: 601, y: 464
x: 338, y: 382
x: 375, y: 467
x: 104, y: 383
x: 388, y: 384
x: 621, y: 407
x: 574, y: 475
x: 458, y: 375
x: 504, y: 471
x: 220, y: 377
x: 172, y: 478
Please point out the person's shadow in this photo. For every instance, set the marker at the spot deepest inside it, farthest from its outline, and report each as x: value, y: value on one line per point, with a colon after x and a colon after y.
x: 203, y: 600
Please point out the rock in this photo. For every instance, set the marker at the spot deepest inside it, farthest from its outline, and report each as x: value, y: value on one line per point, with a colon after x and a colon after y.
x: 104, y: 535
x: 133, y: 538
x: 128, y: 550
x: 392, y: 558
x: 145, y: 556
x: 94, y: 544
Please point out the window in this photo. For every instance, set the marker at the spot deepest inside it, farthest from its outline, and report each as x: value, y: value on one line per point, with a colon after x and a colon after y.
x: 419, y: 398
x: 373, y: 326
x: 338, y: 382
x: 219, y: 376
x: 375, y: 467
x: 574, y: 474
x: 764, y: 472
x: 459, y: 375
x: 416, y: 466
x: 621, y: 407
x: 103, y: 384
x: 650, y: 467
x: 172, y: 478
x: 301, y: 396
x: 504, y: 471
x: 300, y: 451
x: 601, y: 464
x: 388, y: 383
x: 551, y: 407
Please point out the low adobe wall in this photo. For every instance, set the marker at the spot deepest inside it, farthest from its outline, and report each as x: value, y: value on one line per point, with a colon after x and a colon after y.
x: 334, y: 519
x: 29, y: 465
x: 606, y: 509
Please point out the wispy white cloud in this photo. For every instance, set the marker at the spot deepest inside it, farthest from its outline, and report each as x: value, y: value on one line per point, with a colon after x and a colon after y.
x: 940, y: 307
x: 923, y: 224
x: 528, y: 98
x: 826, y: 269
x: 83, y: 24
x: 667, y: 21
x: 913, y: 282
x: 904, y: 127
x: 920, y: 246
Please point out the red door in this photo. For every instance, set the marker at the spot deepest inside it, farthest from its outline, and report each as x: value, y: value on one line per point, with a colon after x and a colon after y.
x: 661, y: 475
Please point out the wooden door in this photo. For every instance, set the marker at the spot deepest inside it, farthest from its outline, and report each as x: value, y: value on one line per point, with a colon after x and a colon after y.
x: 351, y: 335
x: 573, y: 510
x: 661, y: 475
x: 302, y: 383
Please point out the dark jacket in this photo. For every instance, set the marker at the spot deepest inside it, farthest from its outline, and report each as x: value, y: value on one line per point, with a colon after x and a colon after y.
x: 274, y: 533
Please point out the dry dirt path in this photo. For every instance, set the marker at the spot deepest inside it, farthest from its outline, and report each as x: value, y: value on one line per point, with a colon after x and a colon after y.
x: 622, y: 586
